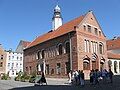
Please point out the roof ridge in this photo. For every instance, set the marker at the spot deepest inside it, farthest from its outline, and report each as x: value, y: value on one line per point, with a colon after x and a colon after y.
x: 65, y: 28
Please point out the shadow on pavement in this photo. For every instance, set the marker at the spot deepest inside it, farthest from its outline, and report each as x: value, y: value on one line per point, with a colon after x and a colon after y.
x: 59, y: 87
x: 101, y: 86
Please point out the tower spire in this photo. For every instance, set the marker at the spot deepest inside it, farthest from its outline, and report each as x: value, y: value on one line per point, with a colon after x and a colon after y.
x: 57, y: 18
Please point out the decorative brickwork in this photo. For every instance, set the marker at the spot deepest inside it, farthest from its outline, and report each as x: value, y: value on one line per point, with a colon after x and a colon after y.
x: 87, y: 48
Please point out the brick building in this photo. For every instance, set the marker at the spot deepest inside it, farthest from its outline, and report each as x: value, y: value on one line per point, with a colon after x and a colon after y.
x: 79, y: 44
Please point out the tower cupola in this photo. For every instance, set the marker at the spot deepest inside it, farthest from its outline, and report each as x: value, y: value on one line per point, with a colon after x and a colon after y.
x: 57, y: 18
x: 57, y: 9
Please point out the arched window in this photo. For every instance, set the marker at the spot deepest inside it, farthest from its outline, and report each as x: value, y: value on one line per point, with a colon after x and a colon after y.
x: 87, y: 45
x: 86, y: 66
x: 38, y: 55
x: 60, y: 49
x: 109, y: 64
x: 43, y: 54
x: 86, y: 63
x: 115, y: 66
x: 101, y: 48
x: 67, y: 47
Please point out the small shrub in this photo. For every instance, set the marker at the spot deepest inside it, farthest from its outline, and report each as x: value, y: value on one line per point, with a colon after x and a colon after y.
x: 5, y: 77
x: 32, y: 79
x: 18, y: 78
x: 27, y: 77
x: 22, y: 78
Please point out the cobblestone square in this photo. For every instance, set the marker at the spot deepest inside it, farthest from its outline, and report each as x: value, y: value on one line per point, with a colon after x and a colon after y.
x: 58, y: 84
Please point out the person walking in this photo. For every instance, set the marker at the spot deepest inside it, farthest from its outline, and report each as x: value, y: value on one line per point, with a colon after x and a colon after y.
x: 43, y: 79
x: 96, y: 75
x: 76, y: 77
x: 104, y: 75
x: 70, y: 76
x: 79, y: 75
x: 92, y: 76
x: 110, y: 73
x: 82, y: 78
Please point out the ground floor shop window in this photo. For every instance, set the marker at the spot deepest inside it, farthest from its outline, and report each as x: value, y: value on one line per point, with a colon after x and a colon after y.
x: 47, y: 68
x: 52, y: 71
x: 115, y: 66
x: 42, y: 67
x: 101, y: 66
x: 58, y: 69
x: 67, y: 67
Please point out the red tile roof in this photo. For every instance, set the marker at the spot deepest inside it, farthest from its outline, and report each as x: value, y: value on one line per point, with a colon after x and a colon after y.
x: 113, y: 55
x: 113, y: 44
x: 25, y: 43
x: 65, y: 28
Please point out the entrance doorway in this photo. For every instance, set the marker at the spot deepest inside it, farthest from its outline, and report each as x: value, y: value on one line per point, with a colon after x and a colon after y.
x: 101, y: 66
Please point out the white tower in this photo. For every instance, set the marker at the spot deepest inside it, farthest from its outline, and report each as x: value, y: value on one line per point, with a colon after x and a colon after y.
x: 57, y: 18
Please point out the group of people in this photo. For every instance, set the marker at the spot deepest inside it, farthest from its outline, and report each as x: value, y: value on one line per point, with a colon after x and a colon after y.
x: 104, y: 75
x: 77, y: 77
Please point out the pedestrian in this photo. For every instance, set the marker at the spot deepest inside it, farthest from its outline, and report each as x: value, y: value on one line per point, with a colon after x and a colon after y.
x: 110, y: 73
x: 73, y: 77
x: 79, y: 75
x: 43, y: 79
x: 70, y: 76
x: 82, y: 78
x: 76, y: 77
x: 91, y: 76
x: 104, y: 75
x: 96, y: 76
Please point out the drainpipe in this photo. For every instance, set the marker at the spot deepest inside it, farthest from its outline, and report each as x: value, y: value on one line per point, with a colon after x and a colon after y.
x: 70, y: 51
x: 44, y: 66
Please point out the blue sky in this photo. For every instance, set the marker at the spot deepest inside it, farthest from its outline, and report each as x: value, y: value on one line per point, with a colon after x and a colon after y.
x: 26, y: 19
